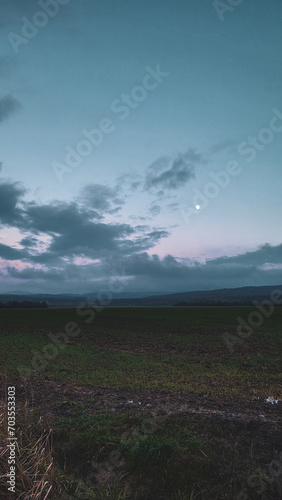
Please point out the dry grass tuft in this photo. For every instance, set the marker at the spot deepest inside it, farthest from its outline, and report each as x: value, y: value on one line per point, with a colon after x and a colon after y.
x: 33, y: 460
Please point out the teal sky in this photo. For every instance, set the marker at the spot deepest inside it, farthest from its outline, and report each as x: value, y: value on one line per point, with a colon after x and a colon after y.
x: 217, y: 100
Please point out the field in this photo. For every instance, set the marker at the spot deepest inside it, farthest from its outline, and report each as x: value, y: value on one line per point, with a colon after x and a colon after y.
x: 145, y: 403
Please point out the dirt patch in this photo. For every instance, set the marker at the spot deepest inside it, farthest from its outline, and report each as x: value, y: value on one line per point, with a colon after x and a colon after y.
x: 48, y: 394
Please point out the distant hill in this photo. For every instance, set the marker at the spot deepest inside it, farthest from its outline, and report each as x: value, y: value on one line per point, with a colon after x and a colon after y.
x: 220, y: 297
x: 225, y: 296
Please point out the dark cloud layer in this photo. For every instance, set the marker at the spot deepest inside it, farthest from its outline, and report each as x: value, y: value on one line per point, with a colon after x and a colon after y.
x: 66, y: 246
x: 57, y: 217
x: 263, y: 255
x: 11, y: 193
x: 72, y: 229
x: 148, y: 274
x: 169, y: 274
x: 10, y: 253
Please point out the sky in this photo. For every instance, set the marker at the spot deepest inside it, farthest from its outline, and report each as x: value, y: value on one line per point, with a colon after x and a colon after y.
x: 140, y: 145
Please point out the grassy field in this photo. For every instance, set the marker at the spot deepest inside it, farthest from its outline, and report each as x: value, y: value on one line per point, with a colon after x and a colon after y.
x: 149, y: 402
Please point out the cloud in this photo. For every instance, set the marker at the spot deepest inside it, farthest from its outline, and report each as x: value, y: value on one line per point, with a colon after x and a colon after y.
x: 8, y: 105
x: 10, y: 253
x: 224, y: 145
x: 128, y: 182
x: 64, y: 230
x: 28, y: 242
x: 76, y: 232
x: 11, y: 193
x: 68, y: 244
x: 101, y: 198
x: 170, y: 274
x: 91, y: 239
x: 264, y: 254
x: 149, y: 273
x: 160, y: 164
x: 155, y: 210
x: 57, y: 217
x: 162, y: 177
x: 35, y: 274
x: 174, y: 206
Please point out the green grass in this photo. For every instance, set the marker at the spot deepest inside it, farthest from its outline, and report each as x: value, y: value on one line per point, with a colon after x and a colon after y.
x: 87, y: 365
x: 109, y: 352
x: 93, y: 441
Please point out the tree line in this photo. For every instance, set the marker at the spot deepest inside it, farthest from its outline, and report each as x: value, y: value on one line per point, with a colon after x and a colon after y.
x: 14, y: 304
